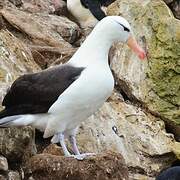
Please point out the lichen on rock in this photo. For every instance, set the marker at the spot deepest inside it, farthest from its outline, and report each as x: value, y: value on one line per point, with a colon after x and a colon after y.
x: 155, y: 82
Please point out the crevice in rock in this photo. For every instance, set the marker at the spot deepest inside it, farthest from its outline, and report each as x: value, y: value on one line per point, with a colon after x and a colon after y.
x: 41, y: 143
x: 176, y: 163
x: 125, y: 90
x: 15, y: 30
x: 167, y: 157
x: 136, y: 170
x: 120, y: 90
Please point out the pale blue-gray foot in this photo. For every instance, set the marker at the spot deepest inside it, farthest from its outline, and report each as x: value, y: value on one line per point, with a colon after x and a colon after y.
x: 77, y: 155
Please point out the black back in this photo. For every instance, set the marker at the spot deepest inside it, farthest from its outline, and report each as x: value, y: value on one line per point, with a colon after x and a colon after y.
x: 95, y: 7
x: 101, y: 2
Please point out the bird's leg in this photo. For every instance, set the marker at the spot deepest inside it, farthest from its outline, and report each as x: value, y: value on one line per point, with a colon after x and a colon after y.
x: 75, y: 149
x: 63, y: 145
x: 72, y: 140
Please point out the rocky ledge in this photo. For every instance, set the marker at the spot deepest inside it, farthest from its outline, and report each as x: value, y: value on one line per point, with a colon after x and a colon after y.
x: 104, y: 166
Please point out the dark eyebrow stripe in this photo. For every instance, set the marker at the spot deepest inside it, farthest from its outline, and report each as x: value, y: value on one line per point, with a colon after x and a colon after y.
x: 125, y: 28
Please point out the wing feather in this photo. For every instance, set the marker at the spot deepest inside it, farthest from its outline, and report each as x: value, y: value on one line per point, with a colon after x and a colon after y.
x: 35, y: 93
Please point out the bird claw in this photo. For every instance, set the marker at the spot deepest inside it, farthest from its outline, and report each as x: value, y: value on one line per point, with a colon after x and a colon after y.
x: 81, y: 156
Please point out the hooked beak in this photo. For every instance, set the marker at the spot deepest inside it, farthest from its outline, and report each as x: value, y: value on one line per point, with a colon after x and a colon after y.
x: 132, y: 43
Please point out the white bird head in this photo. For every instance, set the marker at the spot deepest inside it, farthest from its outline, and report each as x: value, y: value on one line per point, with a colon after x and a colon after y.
x: 117, y: 29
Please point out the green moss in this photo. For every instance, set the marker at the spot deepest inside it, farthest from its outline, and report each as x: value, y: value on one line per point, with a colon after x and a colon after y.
x: 164, y: 64
x: 176, y: 149
x: 155, y: 22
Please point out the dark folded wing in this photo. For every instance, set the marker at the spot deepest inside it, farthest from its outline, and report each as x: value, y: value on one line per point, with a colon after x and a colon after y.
x: 95, y: 7
x: 35, y: 93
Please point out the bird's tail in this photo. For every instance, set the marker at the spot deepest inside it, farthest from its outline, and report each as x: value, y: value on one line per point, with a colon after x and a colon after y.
x: 14, y: 117
x: 9, y: 121
x: 14, y: 120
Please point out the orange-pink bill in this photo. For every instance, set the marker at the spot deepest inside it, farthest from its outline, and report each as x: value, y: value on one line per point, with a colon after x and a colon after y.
x: 132, y: 43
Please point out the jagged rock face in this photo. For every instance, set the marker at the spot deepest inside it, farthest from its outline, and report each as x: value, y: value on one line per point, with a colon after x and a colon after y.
x: 5, y: 173
x: 45, y: 6
x: 124, y: 128
x: 15, y: 60
x: 155, y: 81
x: 168, y: 1
x: 37, y: 6
x: 174, y: 6
x: 17, y: 144
x: 48, y: 36
x: 53, y: 30
x: 107, y: 166
x: 3, y: 164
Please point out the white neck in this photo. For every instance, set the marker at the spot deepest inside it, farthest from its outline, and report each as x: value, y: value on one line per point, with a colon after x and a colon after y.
x: 95, y: 48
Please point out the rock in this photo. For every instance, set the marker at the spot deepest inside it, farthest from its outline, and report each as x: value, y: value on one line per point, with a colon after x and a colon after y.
x: 38, y: 6
x: 124, y: 128
x: 48, y: 36
x: 2, y: 177
x: 13, y: 175
x: 153, y: 83
x: 176, y: 149
x: 16, y: 2
x: 45, y: 6
x: 60, y: 7
x: 53, y: 149
x: 17, y: 144
x: 15, y: 60
x: 48, y: 29
x: 174, y: 5
x: 107, y: 166
x: 168, y: 1
x: 140, y: 177
x: 31, y: 178
x: 3, y: 164
x: 47, y: 56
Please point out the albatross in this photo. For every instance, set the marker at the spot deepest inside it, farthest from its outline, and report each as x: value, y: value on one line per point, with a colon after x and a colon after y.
x: 58, y: 99
x: 88, y: 12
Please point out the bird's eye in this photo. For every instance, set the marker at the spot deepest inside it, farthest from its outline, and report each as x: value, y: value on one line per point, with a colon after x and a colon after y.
x: 125, y: 28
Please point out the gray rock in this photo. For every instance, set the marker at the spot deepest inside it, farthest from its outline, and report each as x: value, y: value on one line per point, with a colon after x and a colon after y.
x: 51, y: 36
x: 60, y: 7
x: 17, y: 144
x: 175, y: 7
x: 2, y: 177
x: 45, y: 6
x: 155, y: 81
x: 124, y: 128
x: 15, y: 59
x: 31, y: 178
x: 13, y: 175
x: 168, y: 1
x: 43, y: 28
x: 3, y: 164
x: 16, y: 2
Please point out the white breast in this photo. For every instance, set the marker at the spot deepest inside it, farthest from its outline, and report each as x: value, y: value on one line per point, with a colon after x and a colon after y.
x: 85, y: 96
